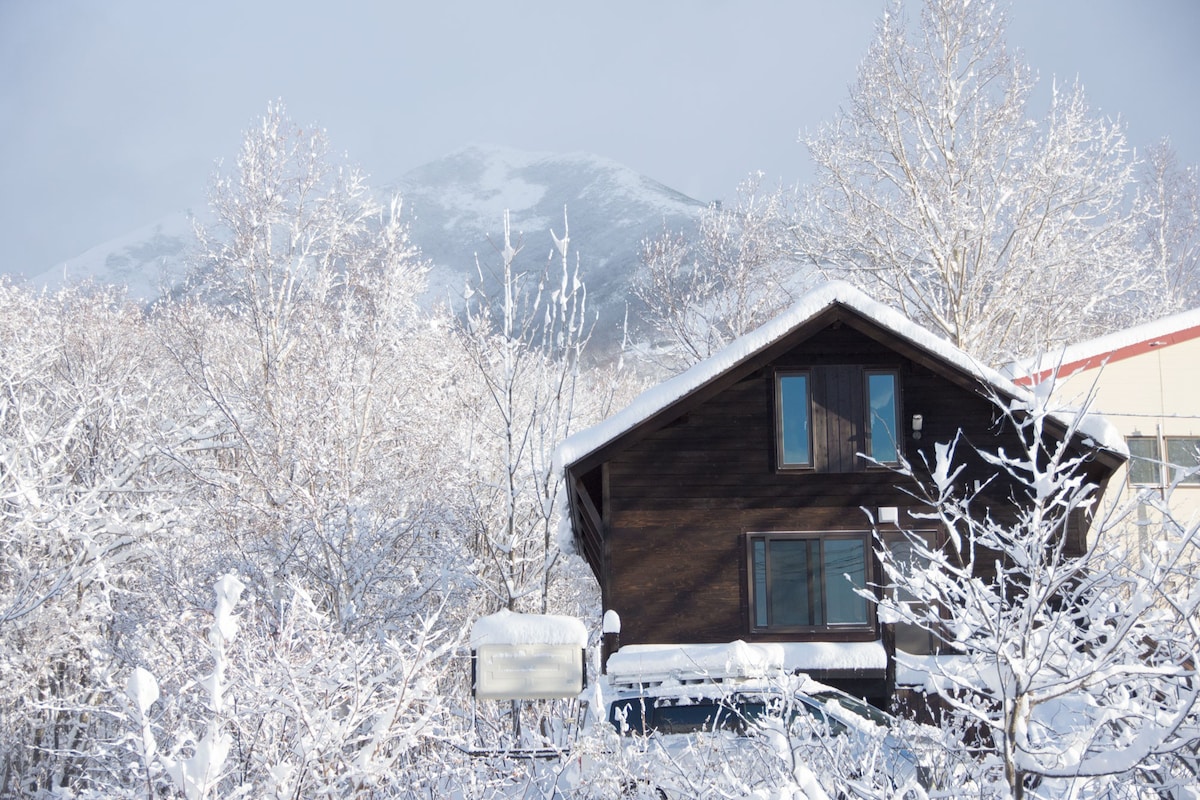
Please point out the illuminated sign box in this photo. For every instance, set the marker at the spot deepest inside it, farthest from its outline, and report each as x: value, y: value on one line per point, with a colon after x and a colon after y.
x: 528, y: 671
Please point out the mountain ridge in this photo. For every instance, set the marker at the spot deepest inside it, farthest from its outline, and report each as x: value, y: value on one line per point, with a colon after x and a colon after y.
x: 455, y: 208
x: 609, y: 208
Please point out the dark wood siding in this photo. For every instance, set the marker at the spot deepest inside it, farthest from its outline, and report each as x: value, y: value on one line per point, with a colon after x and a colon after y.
x: 682, y: 498
x: 837, y: 418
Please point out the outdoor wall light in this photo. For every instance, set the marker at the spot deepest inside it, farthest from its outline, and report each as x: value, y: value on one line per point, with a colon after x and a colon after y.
x: 918, y: 422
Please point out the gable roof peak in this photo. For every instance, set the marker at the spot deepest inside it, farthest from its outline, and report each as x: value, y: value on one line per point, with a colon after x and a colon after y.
x: 808, y: 307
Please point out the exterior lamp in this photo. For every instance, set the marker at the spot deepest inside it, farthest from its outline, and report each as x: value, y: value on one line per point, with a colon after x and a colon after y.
x: 918, y: 422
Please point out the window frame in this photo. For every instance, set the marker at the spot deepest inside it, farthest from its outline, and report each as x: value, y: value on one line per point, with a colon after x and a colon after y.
x: 1173, y: 464
x: 1154, y: 461
x: 869, y: 416
x: 909, y: 637
x: 781, y: 462
x: 816, y: 580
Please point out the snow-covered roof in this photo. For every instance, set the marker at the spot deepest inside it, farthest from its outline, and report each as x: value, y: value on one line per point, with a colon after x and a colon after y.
x: 509, y: 627
x: 658, y: 398
x: 1114, y: 346
x: 646, y: 663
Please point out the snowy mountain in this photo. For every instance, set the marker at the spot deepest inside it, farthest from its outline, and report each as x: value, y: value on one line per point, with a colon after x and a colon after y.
x: 145, y: 261
x: 456, y: 205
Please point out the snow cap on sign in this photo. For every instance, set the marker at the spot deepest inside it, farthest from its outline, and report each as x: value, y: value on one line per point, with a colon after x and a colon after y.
x: 510, y: 627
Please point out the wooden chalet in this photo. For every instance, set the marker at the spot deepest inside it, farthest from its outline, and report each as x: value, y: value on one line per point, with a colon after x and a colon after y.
x: 730, y: 502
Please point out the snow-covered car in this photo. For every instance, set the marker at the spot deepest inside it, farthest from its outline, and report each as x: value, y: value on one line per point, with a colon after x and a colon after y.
x: 808, y: 725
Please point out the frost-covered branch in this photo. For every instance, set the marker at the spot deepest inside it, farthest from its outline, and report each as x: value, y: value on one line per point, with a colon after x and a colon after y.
x: 524, y: 336
x: 1071, y: 667
x: 734, y: 274
x: 941, y: 192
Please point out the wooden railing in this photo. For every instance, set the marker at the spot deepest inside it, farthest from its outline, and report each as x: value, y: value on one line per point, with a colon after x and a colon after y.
x: 589, y: 528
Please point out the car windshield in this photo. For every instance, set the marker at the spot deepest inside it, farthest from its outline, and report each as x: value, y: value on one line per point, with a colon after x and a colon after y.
x: 645, y: 715
x: 855, y: 706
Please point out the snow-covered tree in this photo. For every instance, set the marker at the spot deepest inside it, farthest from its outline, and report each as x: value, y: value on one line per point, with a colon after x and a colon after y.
x: 1077, y: 674
x: 298, y: 233
x: 940, y: 192
x: 282, y: 704
x: 322, y: 469
x: 297, y: 420
x: 316, y: 379
x: 735, y: 275
x: 524, y: 390
x: 87, y: 497
x: 1171, y: 229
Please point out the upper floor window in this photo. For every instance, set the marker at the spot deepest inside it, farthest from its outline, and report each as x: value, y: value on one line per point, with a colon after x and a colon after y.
x: 794, y: 439
x: 883, y: 420
x: 828, y: 417
x: 807, y: 582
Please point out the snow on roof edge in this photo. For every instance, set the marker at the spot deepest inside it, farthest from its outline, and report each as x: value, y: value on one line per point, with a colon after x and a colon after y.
x: 657, y: 398
x: 1104, y: 345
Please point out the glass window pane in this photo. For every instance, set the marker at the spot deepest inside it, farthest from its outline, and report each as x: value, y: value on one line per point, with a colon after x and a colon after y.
x: 760, y: 583
x: 635, y: 715
x: 909, y: 638
x: 1143, y: 460
x: 789, y: 589
x: 801, y: 581
x: 1185, y: 453
x: 793, y: 419
x: 844, y: 557
x: 881, y: 388
x: 693, y: 717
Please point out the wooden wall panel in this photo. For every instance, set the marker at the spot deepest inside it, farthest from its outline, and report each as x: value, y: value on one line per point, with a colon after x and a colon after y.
x: 681, y: 500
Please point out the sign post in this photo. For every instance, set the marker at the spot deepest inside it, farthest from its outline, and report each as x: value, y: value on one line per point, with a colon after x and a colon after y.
x: 521, y: 657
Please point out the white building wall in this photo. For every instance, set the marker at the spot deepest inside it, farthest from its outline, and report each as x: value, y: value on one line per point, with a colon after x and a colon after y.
x: 1153, y: 393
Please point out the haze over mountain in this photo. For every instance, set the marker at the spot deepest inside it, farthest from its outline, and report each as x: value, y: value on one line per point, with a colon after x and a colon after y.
x: 458, y: 203
x: 147, y: 261
x: 456, y: 206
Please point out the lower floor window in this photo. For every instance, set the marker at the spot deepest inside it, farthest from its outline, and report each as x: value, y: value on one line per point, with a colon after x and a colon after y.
x: 808, y: 581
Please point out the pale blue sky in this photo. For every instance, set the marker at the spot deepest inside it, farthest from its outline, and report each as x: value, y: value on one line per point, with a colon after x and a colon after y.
x: 113, y: 114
